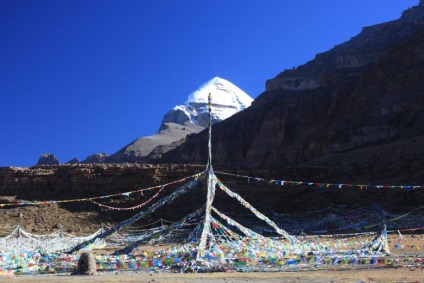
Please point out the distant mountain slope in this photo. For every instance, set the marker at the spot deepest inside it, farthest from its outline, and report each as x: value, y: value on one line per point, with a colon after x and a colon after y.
x: 142, y: 147
x: 367, y: 92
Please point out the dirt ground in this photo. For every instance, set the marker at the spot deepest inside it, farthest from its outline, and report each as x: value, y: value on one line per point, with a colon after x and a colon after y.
x: 363, y: 275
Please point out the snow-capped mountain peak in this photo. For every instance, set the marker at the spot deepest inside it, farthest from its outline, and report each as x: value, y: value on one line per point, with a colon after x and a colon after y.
x: 223, y: 93
x: 227, y: 99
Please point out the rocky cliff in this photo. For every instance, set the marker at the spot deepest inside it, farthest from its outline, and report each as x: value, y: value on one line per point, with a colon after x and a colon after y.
x: 358, y: 99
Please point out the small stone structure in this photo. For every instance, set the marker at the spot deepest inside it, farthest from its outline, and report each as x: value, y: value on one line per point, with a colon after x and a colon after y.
x: 86, y: 265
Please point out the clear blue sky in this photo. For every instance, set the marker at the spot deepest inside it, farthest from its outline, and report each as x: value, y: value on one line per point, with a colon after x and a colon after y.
x: 84, y: 76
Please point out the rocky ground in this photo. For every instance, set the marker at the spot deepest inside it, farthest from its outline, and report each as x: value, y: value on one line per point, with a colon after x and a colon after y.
x: 362, y: 275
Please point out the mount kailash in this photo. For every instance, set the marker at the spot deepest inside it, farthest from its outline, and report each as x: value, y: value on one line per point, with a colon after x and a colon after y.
x: 188, y: 118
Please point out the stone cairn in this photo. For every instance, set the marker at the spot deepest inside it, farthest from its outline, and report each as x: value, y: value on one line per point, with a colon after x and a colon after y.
x: 86, y: 265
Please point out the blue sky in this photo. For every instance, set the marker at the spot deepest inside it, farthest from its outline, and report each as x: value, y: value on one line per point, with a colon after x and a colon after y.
x: 84, y: 76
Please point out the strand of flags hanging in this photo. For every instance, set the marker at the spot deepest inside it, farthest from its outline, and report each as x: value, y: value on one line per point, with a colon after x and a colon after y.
x: 324, y: 185
x: 94, y: 199
x: 161, y: 187
x: 130, y: 208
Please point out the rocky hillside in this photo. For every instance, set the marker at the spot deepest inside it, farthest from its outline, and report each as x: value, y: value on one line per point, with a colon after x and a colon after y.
x: 361, y: 98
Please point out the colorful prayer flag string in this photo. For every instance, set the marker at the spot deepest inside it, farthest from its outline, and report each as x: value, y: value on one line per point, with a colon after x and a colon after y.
x: 129, y: 208
x: 99, y: 197
x: 324, y: 185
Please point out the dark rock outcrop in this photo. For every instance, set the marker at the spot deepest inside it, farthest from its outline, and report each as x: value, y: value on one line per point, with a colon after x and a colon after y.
x: 176, y: 116
x: 48, y: 159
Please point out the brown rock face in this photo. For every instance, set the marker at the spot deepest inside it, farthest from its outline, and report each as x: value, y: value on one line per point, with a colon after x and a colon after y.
x: 361, y: 96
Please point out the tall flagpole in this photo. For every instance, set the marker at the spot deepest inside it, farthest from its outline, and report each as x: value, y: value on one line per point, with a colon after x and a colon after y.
x: 206, y: 232
x: 210, y: 131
